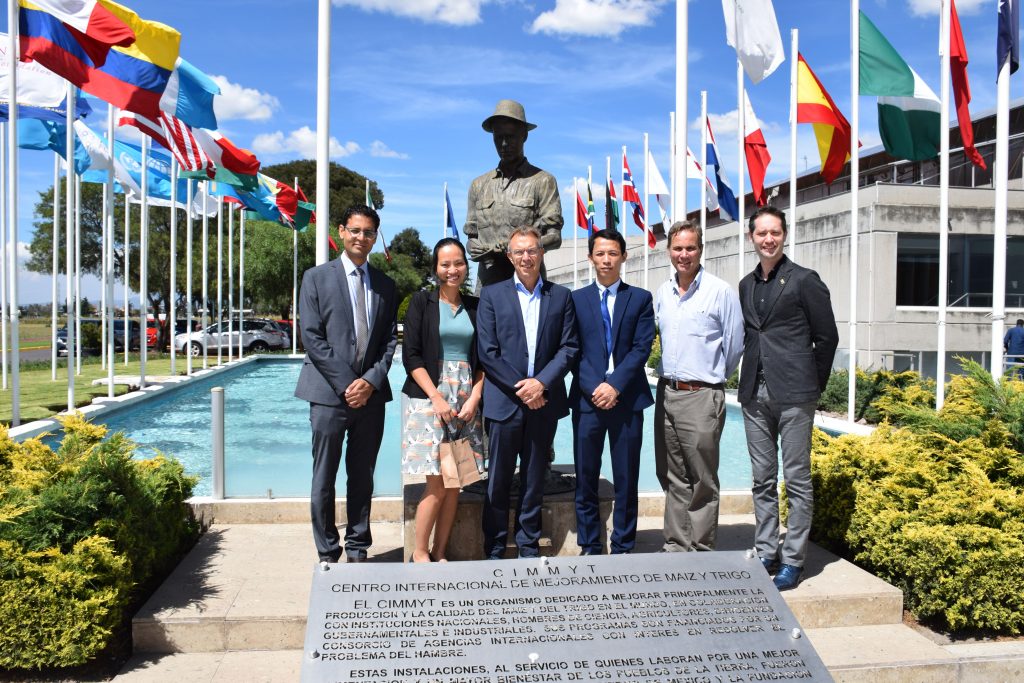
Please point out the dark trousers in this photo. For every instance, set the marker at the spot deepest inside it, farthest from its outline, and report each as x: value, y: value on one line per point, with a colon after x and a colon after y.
x: 526, y: 436
x: 365, y: 429
x: 624, y: 429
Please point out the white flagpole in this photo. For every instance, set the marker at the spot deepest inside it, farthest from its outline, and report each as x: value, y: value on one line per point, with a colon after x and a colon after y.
x: 103, y: 276
x: 108, y: 285
x: 78, y: 268
x: 187, y: 349
x: 607, y: 196
x: 590, y: 190
x: 295, y: 276
x: 851, y: 393
x: 703, y: 167
x: 741, y: 128
x: 127, y: 271
x: 54, y: 269
x: 241, y: 285
x: 231, y: 281
x: 144, y: 265
x: 622, y: 191
x: 69, y: 245
x: 647, y: 218
x: 682, y: 25
x: 12, y: 208
x: 206, y: 271
x: 575, y: 235
x: 1000, y: 175
x: 793, y: 51
x: 220, y: 279
x: 172, y: 304
x: 323, y: 105
x: 940, y: 355
x: 672, y: 167
x: 3, y: 261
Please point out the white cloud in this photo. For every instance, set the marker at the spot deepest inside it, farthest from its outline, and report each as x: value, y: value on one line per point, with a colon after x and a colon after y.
x: 379, y: 149
x: 923, y: 8
x: 454, y: 12
x: 301, y: 142
x: 238, y: 102
x: 595, y: 17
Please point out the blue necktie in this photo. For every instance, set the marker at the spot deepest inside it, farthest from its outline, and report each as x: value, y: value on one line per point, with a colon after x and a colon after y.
x: 606, y: 317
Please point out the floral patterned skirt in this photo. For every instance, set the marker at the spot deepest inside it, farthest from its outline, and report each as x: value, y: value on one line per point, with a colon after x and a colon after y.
x: 423, y: 431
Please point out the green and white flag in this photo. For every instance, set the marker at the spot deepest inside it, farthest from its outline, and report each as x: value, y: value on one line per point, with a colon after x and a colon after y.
x: 908, y: 110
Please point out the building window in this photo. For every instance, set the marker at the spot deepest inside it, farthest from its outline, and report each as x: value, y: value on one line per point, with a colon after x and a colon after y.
x: 970, y: 270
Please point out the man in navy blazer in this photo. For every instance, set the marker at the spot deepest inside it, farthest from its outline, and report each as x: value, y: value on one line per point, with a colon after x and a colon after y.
x: 347, y: 318
x: 526, y: 345
x: 609, y: 392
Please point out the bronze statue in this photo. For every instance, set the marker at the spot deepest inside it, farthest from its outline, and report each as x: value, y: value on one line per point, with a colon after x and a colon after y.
x: 515, y: 194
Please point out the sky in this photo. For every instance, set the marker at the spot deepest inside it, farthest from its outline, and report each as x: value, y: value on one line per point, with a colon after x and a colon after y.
x: 412, y: 80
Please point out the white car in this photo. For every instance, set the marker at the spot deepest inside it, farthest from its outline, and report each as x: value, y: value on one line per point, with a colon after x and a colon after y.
x: 258, y: 335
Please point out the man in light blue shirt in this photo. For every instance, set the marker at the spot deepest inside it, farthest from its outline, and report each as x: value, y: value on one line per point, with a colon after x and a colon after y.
x: 701, y: 328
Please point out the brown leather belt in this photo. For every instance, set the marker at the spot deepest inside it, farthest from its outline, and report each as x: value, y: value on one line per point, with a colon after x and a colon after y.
x: 694, y: 385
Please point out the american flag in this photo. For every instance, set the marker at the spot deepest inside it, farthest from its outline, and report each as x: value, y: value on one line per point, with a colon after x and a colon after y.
x: 172, y: 134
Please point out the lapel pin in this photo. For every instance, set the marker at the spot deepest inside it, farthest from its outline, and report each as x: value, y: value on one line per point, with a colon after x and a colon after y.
x: 782, y: 280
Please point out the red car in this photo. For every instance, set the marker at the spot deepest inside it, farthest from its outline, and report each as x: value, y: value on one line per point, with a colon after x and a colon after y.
x: 151, y: 334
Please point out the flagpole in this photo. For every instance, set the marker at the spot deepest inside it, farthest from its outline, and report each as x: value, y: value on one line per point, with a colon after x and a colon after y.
x: 103, y: 273
x: 171, y: 304
x: 108, y: 285
x: 682, y: 26
x: 940, y: 355
x: 295, y: 278
x: 55, y: 268
x: 241, y: 282
x: 647, y: 203
x: 206, y: 270
x: 672, y: 166
x: 1000, y: 175
x: 590, y: 192
x: 144, y: 265
x: 69, y: 245
x: 851, y: 392
x: 187, y: 348
x: 608, y: 213
x: 622, y: 191
x: 323, y: 105
x: 220, y: 270
x: 3, y: 261
x: 575, y: 234
x: 12, y: 207
x: 703, y: 167
x: 231, y: 282
x: 741, y: 129
x: 793, y: 62
x: 78, y: 267
x: 127, y: 271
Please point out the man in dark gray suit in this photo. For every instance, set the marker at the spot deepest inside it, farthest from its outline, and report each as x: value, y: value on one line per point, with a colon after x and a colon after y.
x: 790, y: 339
x: 347, y: 313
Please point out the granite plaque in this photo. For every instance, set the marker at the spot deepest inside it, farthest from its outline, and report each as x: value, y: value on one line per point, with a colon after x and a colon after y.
x: 670, y: 617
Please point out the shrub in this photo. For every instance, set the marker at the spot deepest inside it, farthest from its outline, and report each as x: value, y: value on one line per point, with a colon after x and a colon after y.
x: 92, y: 337
x: 872, y: 387
x: 403, y: 307
x: 81, y: 529
x: 655, y: 357
x: 937, y: 507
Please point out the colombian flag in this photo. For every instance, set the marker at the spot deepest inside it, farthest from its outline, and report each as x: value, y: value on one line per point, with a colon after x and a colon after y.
x: 132, y: 77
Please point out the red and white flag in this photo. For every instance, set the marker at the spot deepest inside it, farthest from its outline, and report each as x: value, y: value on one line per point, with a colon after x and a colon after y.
x: 629, y: 194
x: 756, y: 151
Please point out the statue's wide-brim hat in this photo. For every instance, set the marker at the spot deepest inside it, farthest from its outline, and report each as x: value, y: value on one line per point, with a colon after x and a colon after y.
x: 507, y: 109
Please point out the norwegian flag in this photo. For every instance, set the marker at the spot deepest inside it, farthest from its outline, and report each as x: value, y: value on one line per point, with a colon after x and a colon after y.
x: 629, y: 194
x: 170, y: 133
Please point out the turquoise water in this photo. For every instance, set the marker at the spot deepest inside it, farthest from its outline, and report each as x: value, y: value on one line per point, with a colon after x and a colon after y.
x: 267, y: 437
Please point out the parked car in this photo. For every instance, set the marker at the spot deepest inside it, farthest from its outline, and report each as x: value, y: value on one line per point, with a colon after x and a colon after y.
x: 286, y: 327
x: 133, y: 325
x: 151, y: 333
x: 258, y: 334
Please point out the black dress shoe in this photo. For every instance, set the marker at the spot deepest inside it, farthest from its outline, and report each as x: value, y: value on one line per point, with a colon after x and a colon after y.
x: 355, y: 558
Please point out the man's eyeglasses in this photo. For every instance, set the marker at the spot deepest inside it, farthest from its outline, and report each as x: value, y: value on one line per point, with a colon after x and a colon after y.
x: 519, y: 253
x: 368, y: 234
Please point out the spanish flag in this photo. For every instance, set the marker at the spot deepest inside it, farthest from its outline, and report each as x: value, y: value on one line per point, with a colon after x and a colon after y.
x: 814, y: 106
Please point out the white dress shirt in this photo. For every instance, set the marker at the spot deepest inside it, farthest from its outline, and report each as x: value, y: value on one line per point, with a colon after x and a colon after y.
x: 529, y: 303
x: 613, y: 291
x: 349, y: 269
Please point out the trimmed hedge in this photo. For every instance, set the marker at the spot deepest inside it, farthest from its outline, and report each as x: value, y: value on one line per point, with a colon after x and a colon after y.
x: 81, y: 529
x: 935, y: 507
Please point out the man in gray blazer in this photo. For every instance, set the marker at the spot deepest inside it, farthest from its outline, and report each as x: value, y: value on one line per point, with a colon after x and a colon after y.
x: 347, y: 312
x: 789, y: 342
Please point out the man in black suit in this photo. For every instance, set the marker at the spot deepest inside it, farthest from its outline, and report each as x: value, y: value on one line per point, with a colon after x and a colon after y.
x: 347, y: 313
x: 526, y: 345
x: 609, y: 393
x: 790, y: 340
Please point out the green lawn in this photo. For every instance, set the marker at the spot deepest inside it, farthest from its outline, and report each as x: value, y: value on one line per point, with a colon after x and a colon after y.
x: 42, y: 397
x: 33, y: 333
